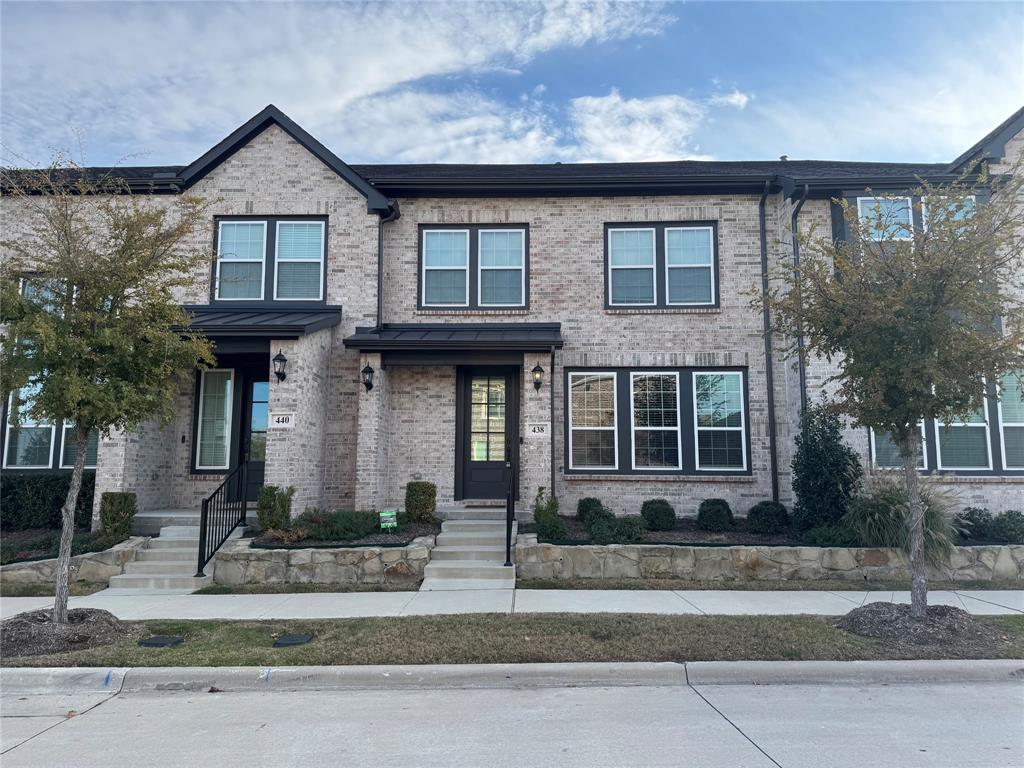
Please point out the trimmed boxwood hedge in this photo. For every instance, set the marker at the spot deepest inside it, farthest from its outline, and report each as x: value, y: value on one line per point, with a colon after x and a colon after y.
x: 714, y: 515
x: 33, y: 499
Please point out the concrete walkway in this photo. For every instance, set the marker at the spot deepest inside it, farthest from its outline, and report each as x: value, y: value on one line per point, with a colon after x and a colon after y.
x: 330, y: 605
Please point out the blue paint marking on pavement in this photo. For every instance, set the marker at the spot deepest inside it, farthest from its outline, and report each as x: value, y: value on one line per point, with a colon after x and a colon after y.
x: 106, y: 679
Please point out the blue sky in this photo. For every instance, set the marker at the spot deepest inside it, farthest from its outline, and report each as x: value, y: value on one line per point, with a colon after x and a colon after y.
x: 161, y: 82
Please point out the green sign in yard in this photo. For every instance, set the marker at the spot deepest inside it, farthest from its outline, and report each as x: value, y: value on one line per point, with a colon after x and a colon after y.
x: 388, y: 520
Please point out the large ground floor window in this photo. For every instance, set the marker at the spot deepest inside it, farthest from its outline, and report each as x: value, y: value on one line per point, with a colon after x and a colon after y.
x: 656, y: 420
x: 33, y: 444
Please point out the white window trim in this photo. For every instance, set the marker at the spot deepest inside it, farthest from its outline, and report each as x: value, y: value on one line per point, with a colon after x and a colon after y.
x: 277, y: 260
x: 742, y: 428
x: 615, y: 419
x: 63, y: 438
x: 678, y: 428
x: 199, y: 418
x: 924, y: 209
x: 263, y: 259
x: 423, y: 261
x: 988, y: 441
x: 653, y: 268
x: 710, y: 267
x: 1002, y: 427
x: 910, y: 207
x: 7, y: 440
x: 480, y: 269
x: 924, y: 450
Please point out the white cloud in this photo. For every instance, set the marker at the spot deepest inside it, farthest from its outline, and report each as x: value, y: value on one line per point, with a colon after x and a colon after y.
x: 736, y: 99
x: 613, y: 129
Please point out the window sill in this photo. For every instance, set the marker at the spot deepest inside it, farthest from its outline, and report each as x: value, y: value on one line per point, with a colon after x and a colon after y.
x: 960, y: 479
x: 663, y: 310
x: 576, y: 477
x: 472, y: 312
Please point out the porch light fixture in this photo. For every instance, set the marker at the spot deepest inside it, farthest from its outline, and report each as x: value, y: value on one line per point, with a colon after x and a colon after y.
x: 280, y: 363
x: 538, y: 376
x: 367, y: 373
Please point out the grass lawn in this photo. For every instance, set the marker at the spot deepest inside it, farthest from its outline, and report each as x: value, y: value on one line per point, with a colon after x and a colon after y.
x: 301, y: 588
x: 77, y: 588
x: 835, y: 585
x: 494, y: 638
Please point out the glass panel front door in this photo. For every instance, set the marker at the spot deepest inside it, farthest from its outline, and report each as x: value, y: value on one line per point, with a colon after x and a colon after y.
x: 257, y: 439
x: 488, y: 402
x: 487, y: 442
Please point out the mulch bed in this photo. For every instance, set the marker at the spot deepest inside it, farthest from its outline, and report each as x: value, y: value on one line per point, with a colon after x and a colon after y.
x: 956, y: 632
x: 34, y: 634
x: 687, y: 532
x: 399, y: 538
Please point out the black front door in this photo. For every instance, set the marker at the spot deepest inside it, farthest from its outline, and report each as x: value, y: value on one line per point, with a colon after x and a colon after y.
x: 488, y: 432
x: 255, y: 436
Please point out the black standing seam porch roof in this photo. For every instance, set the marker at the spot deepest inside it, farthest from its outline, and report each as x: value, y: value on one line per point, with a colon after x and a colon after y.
x: 289, y: 323
x: 520, y: 337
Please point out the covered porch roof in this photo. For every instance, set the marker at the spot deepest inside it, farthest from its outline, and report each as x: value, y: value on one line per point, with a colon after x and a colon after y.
x: 261, y: 322
x: 458, y: 337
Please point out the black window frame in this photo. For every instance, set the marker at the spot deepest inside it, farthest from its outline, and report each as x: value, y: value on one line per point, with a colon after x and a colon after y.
x: 660, y: 265
x: 270, y: 260
x: 687, y: 421
x: 473, y: 278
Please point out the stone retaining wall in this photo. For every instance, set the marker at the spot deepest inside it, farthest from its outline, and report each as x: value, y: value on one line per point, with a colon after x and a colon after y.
x: 239, y: 563
x: 95, y: 567
x: 632, y: 561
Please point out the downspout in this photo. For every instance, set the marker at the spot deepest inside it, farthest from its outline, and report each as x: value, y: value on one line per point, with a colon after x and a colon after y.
x: 801, y: 368
x: 551, y: 428
x: 394, y: 213
x: 773, y: 453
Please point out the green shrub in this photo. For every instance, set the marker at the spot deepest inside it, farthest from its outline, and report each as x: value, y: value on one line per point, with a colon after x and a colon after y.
x: 544, y: 503
x: 827, y: 536
x: 658, y: 514
x: 421, y: 501
x: 48, y: 545
x: 879, y: 518
x: 603, y: 530
x: 586, y: 507
x: 550, y: 525
x: 608, y: 529
x: 343, y: 525
x: 274, y: 507
x: 117, y: 511
x: 767, y: 517
x: 34, y: 499
x: 978, y: 524
x: 714, y: 515
x: 826, y: 471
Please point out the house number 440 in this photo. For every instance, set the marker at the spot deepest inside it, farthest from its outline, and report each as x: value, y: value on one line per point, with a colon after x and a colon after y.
x: 281, y: 420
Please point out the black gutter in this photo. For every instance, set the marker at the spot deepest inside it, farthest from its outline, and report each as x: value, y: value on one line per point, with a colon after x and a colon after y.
x: 773, y: 454
x: 393, y: 215
x: 801, y: 367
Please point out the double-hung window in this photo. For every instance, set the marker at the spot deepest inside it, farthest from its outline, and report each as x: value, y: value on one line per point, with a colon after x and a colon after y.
x: 965, y: 444
x: 886, y: 455
x: 689, y: 266
x: 69, y: 450
x: 632, y: 271
x: 655, y: 421
x: 299, y: 261
x: 474, y: 267
x: 241, y: 260
x: 720, y: 435
x: 29, y: 442
x: 886, y: 218
x: 592, y: 421
x: 213, y: 432
x: 661, y: 265
x: 1011, y: 419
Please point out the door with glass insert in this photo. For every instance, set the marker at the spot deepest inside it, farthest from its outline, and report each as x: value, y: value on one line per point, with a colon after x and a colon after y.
x: 489, y: 440
x: 259, y: 396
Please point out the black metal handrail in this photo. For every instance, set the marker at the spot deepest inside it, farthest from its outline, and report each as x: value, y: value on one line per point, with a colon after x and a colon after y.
x: 221, y: 515
x: 510, y: 504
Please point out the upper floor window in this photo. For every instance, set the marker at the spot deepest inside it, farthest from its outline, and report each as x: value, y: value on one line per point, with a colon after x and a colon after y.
x: 478, y: 267
x: 262, y: 258
x: 886, y: 218
x: 661, y: 265
x: 1011, y: 419
x: 955, y: 210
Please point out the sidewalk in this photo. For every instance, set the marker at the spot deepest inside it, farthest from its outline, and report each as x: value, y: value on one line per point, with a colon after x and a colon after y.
x: 339, y: 605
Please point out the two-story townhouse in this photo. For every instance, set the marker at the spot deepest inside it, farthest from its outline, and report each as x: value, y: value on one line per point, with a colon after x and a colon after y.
x: 582, y: 327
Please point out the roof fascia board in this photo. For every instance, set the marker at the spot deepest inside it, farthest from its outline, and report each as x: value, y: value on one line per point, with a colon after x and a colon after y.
x: 993, y: 145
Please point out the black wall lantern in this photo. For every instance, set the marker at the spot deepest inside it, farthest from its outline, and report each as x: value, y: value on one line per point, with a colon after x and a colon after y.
x: 280, y: 363
x: 538, y: 376
x: 367, y: 373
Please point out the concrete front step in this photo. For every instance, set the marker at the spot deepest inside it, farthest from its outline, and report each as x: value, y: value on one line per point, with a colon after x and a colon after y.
x: 161, y: 567
x: 471, y: 539
x: 468, y: 569
x: 171, y: 542
x: 149, y: 523
x: 168, y: 554
x: 494, y: 554
x: 143, y: 581
x: 472, y: 513
x: 449, y: 585
x: 473, y: 526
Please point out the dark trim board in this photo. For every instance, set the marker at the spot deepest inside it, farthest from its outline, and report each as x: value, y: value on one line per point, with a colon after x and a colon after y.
x: 451, y: 337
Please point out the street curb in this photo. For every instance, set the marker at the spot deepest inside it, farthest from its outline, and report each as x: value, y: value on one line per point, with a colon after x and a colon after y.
x: 853, y: 672
x: 505, y: 676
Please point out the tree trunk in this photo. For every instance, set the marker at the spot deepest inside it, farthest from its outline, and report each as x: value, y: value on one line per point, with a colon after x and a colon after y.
x: 918, y: 580
x: 67, y: 529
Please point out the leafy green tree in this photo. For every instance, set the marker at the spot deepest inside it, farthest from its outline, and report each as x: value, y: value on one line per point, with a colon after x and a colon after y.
x: 913, y: 318
x: 88, y: 296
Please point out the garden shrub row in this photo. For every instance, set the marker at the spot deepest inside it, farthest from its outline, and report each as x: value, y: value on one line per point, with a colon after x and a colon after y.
x: 34, y: 499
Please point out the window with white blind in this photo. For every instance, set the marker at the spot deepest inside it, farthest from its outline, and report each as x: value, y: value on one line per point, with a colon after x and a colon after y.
x: 299, y: 261
x: 28, y: 443
x: 446, y: 268
x: 886, y: 218
x: 720, y: 434
x: 656, y: 425
x: 213, y: 435
x: 1011, y: 419
x: 502, y: 268
x: 592, y: 421
x: 689, y: 266
x: 632, y: 275
x: 241, y: 260
x: 886, y: 455
x: 965, y: 444
x: 69, y: 450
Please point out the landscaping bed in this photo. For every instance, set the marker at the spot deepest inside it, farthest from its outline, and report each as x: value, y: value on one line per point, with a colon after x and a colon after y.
x: 491, y: 638
x: 411, y: 585
x: 75, y: 589
x: 43, y: 543
x: 32, y: 634
x: 400, y: 537
x: 685, y: 531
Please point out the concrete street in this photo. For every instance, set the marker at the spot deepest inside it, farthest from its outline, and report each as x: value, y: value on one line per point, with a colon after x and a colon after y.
x: 481, y: 718
x: 330, y: 605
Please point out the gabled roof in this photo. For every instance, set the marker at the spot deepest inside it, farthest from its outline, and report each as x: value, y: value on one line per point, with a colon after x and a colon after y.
x: 993, y: 145
x: 271, y: 115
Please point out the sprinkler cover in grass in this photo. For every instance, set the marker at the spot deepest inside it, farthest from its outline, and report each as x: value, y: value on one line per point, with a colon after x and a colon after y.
x: 161, y: 641
x: 287, y: 641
